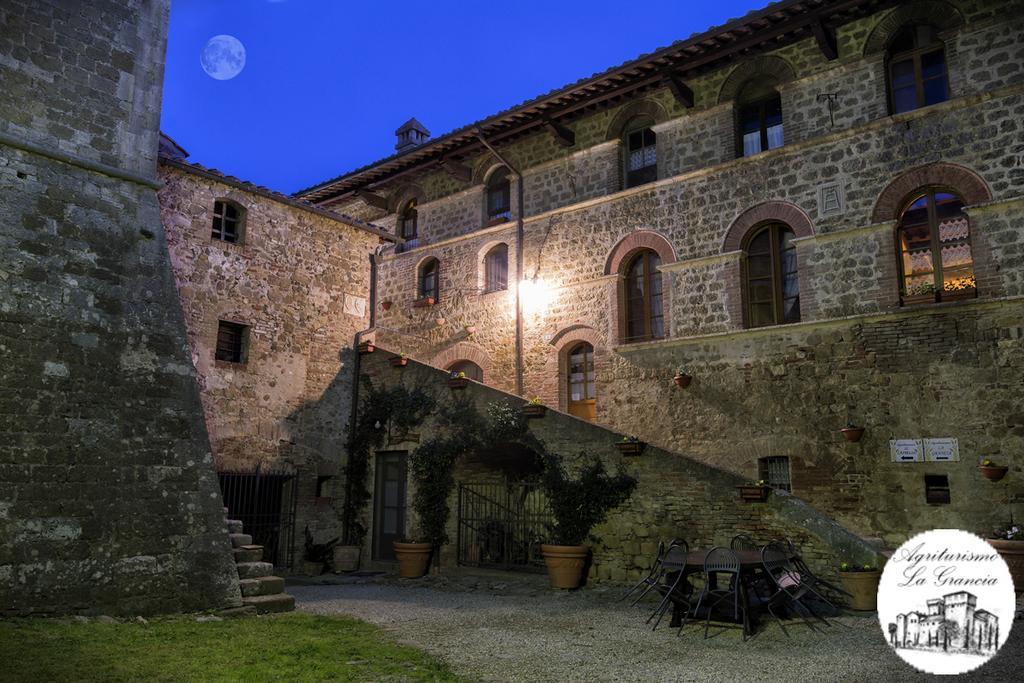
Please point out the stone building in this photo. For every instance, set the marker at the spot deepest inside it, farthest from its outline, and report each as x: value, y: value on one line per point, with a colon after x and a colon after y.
x: 814, y: 210
x: 952, y: 622
x: 274, y: 292
x: 108, y: 499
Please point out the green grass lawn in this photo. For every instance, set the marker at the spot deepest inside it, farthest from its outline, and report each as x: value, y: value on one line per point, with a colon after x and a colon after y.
x: 290, y: 647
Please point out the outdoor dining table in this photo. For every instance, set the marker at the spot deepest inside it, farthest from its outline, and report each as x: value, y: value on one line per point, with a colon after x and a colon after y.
x: 750, y: 561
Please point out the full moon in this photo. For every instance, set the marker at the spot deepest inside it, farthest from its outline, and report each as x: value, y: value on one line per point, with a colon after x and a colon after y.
x: 223, y: 57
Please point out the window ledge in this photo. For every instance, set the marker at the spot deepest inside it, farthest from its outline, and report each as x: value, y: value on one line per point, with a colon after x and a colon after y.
x: 901, y: 312
x: 230, y: 365
x: 424, y: 302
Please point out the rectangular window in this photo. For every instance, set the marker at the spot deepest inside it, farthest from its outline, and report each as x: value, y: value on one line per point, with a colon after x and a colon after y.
x: 936, y: 489
x: 774, y: 471
x: 642, y: 157
x: 225, y: 222
x: 232, y: 342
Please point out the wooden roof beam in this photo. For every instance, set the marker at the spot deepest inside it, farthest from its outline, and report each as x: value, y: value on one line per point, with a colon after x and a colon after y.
x: 456, y: 170
x: 373, y: 199
x: 680, y: 91
x: 563, y: 135
x: 826, y: 39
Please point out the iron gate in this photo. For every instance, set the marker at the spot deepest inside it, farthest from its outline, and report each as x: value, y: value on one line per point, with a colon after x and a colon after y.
x: 502, y: 525
x: 265, y: 502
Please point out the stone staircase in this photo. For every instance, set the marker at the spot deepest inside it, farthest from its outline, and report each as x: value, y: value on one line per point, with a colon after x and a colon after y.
x: 260, y: 588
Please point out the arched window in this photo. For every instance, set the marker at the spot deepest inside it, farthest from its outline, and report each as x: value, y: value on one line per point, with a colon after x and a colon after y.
x: 472, y: 370
x: 759, y: 116
x: 408, y: 229
x: 228, y: 221
x: 581, y: 385
x: 642, y: 298
x: 917, y: 69
x: 499, y: 197
x: 430, y: 273
x: 771, y: 285
x: 641, y: 151
x: 496, y: 269
x: 934, y: 238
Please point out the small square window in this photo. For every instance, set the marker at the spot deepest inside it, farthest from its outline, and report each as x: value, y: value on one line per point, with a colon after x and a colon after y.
x: 774, y: 471
x: 321, y: 485
x: 232, y: 342
x: 936, y: 489
x: 227, y: 222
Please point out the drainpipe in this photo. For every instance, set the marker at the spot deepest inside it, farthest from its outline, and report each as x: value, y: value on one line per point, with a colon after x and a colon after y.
x: 519, y: 257
x: 374, y: 259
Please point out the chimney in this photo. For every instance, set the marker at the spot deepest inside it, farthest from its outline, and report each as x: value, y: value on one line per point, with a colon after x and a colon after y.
x: 411, y: 134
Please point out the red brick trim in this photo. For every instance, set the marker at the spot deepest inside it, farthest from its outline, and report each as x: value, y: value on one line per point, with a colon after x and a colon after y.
x: 464, y: 351
x: 764, y: 66
x: 783, y: 212
x: 553, y: 390
x: 970, y: 186
x: 403, y: 196
x: 633, y: 242
x: 942, y: 15
x: 650, y: 108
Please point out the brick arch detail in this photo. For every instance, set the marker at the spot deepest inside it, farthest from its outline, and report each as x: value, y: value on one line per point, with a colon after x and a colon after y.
x: 649, y: 107
x: 487, y: 166
x: 464, y: 351
x: 766, y: 65
x: 569, y: 336
x: 401, y: 198
x: 970, y: 187
x: 783, y: 212
x: 553, y: 391
x: 634, y: 241
x: 940, y: 14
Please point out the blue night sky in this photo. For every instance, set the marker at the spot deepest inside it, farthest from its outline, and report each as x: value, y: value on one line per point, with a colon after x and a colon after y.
x: 326, y: 83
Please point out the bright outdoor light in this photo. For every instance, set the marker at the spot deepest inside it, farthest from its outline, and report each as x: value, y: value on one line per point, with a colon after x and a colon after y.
x: 535, y: 295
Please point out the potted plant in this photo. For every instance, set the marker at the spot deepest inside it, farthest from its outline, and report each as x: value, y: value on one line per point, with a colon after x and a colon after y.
x: 346, y: 558
x: 1008, y: 541
x: 399, y: 361
x: 919, y: 293
x: 577, y: 506
x: 386, y: 305
x: 682, y: 378
x: 755, y: 491
x: 861, y: 582
x: 458, y: 380
x: 315, y: 555
x: 992, y: 471
x: 852, y: 432
x: 413, y: 558
x: 366, y: 347
x: 534, y: 408
x: 424, y: 302
x: 631, y: 445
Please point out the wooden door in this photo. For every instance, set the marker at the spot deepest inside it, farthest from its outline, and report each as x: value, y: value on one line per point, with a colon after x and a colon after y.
x: 389, y: 503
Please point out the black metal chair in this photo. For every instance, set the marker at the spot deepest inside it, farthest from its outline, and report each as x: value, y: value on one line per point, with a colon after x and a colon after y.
x: 790, y: 588
x: 743, y: 542
x: 652, y: 578
x: 718, y: 562
x: 819, y: 585
x: 672, y: 584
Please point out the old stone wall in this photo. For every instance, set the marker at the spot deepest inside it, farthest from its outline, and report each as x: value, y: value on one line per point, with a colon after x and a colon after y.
x: 300, y: 283
x: 676, y: 496
x: 108, y: 499
x: 866, y: 160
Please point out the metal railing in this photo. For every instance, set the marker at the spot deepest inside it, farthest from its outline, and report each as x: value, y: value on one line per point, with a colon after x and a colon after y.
x: 265, y: 503
x: 502, y: 525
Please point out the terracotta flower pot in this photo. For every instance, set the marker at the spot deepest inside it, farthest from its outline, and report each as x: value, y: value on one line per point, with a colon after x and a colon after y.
x: 993, y: 472
x: 424, y: 302
x: 1013, y: 553
x: 753, y: 493
x: 565, y: 564
x: 534, y: 410
x: 458, y: 382
x: 682, y: 380
x: 386, y: 305
x: 862, y: 587
x: 413, y: 559
x: 366, y: 347
x: 399, y: 362
x: 852, y: 433
x: 346, y: 558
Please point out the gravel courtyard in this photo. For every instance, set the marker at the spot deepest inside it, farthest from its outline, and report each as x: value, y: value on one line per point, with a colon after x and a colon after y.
x: 500, y: 629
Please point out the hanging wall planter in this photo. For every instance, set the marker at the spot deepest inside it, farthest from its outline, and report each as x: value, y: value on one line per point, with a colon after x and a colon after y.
x: 470, y: 329
x: 682, y: 380
x: 366, y: 347
x: 991, y: 471
x: 754, y: 493
x: 459, y: 381
x: 386, y: 305
x: 399, y: 361
x: 631, y: 445
x: 852, y: 433
x: 424, y: 302
x: 534, y: 409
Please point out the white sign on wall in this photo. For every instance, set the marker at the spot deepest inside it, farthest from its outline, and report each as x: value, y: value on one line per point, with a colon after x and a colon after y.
x: 942, y: 450
x: 906, y: 450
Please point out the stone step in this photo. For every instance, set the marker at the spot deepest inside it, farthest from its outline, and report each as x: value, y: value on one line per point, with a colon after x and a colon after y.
x: 253, y: 570
x: 239, y: 540
x: 261, y: 585
x: 265, y: 604
x: 248, y: 553
x: 234, y: 526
